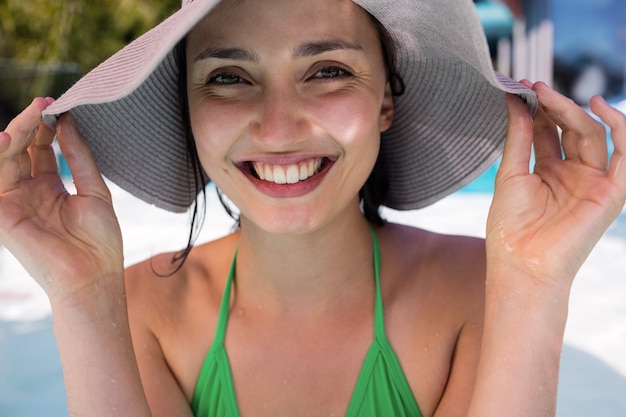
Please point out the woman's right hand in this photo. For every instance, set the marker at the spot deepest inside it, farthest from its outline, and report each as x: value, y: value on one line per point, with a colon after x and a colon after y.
x: 68, y: 243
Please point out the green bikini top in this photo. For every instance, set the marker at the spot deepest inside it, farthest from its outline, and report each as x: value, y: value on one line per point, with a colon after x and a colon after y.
x: 381, y: 390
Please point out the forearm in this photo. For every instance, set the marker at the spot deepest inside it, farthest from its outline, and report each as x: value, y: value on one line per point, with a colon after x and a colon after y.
x: 99, y: 366
x: 522, y: 342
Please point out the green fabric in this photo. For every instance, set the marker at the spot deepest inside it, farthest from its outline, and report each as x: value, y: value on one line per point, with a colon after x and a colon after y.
x: 381, y: 390
x: 214, y: 395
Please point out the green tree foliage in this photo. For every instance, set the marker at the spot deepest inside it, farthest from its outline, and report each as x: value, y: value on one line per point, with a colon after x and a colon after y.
x: 45, y: 45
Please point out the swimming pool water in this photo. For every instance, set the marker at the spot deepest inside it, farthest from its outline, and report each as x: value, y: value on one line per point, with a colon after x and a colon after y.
x: 484, y: 183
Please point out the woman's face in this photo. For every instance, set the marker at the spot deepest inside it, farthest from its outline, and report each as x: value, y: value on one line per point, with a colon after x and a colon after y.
x: 287, y: 99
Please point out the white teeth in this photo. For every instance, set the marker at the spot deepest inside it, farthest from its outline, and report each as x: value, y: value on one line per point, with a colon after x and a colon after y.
x: 293, y: 174
x: 280, y: 176
x: 304, y: 172
x: 269, y: 175
x: 259, y: 170
x: 287, y: 174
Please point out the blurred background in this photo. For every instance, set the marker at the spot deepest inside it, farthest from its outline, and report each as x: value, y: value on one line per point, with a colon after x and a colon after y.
x: 46, y: 45
x: 577, y: 46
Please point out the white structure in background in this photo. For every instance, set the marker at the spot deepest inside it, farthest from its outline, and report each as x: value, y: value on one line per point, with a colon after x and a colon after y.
x: 527, y: 50
x: 532, y: 42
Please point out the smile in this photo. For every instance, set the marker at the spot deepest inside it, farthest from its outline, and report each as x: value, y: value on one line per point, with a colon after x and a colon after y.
x: 288, y: 173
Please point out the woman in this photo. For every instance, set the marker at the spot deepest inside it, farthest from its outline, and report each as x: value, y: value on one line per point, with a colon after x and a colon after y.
x: 312, y: 307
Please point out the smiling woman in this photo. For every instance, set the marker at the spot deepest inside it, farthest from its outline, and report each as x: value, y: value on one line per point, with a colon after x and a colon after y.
x: 287, y: 104
x: 310, y: 116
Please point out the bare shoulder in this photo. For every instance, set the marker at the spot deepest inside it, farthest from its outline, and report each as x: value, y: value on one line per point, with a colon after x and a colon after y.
x: 453, y: 256
x: 173, y: 313
x: 434, y: 309
x: 439, y: 279
x: 161, y: 287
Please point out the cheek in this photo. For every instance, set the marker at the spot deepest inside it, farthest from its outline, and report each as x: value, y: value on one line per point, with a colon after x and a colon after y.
x: 350, y: 119
x: 354, y: 123
x: 215, y: 128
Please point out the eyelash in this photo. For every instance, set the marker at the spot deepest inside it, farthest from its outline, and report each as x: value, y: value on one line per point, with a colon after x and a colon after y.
x: 338, y: 73
x: 341, y: 73
x: 213, y: 79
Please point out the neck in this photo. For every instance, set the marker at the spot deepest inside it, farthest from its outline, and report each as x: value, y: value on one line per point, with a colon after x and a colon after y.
x: 318, y: 270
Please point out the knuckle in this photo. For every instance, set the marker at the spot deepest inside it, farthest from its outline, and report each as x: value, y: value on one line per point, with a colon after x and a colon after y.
x: 598, y: 129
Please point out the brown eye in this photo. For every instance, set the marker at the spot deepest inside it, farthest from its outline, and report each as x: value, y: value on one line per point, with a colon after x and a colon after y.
x: 225, y: 79
x: 331, y: 72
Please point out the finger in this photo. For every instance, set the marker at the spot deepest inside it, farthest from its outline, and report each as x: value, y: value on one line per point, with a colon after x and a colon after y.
x: 9, y: 167
x: 616, y: 121
x: 42, y: 156
x: 14, y: 161
x: 87, y: 177
x: 13, y: 169
x: 15, y: 164
x: 517, y: 147
x: 5, y: 141
x: 23, y: 127
x: 583, y: 137
x: 546, y: 141
x: 526, y: 83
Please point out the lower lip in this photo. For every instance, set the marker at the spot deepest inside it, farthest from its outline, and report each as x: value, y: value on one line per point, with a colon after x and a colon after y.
x: 298, y: 189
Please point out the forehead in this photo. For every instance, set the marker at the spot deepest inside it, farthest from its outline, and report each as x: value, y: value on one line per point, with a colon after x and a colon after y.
x: 284, y: 21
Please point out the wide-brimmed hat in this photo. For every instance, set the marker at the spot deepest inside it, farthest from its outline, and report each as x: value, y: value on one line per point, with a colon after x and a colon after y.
x: 449, y: 125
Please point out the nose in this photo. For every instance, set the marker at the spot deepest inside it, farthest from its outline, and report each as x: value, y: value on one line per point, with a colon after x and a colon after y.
x: 281, y: 121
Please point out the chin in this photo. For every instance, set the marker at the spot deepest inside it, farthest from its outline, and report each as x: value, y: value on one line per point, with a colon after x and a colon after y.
x: 280, y: 222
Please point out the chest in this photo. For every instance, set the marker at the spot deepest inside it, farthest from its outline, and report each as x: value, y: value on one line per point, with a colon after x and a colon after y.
x: 287, y: 370
x: 294, y: 370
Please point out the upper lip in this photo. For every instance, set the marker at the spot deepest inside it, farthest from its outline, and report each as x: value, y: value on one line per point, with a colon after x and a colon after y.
x: 284, y: 159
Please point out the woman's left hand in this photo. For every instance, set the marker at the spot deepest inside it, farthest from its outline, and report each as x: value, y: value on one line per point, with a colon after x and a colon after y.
x: 544, y: 223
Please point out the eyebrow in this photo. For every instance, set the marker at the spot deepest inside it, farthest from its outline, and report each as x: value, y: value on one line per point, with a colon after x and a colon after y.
x: 316, y: 48
x: 304, y: 50
x: 235, y: 54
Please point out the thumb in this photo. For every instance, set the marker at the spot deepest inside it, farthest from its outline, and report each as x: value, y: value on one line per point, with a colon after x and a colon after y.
x: 519, y: 137
x: 87, y: 177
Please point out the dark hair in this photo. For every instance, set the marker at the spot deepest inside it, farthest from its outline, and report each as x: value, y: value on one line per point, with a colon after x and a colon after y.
x: 372, y: 194
x: 374, y: 191
x: 196, y: 176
